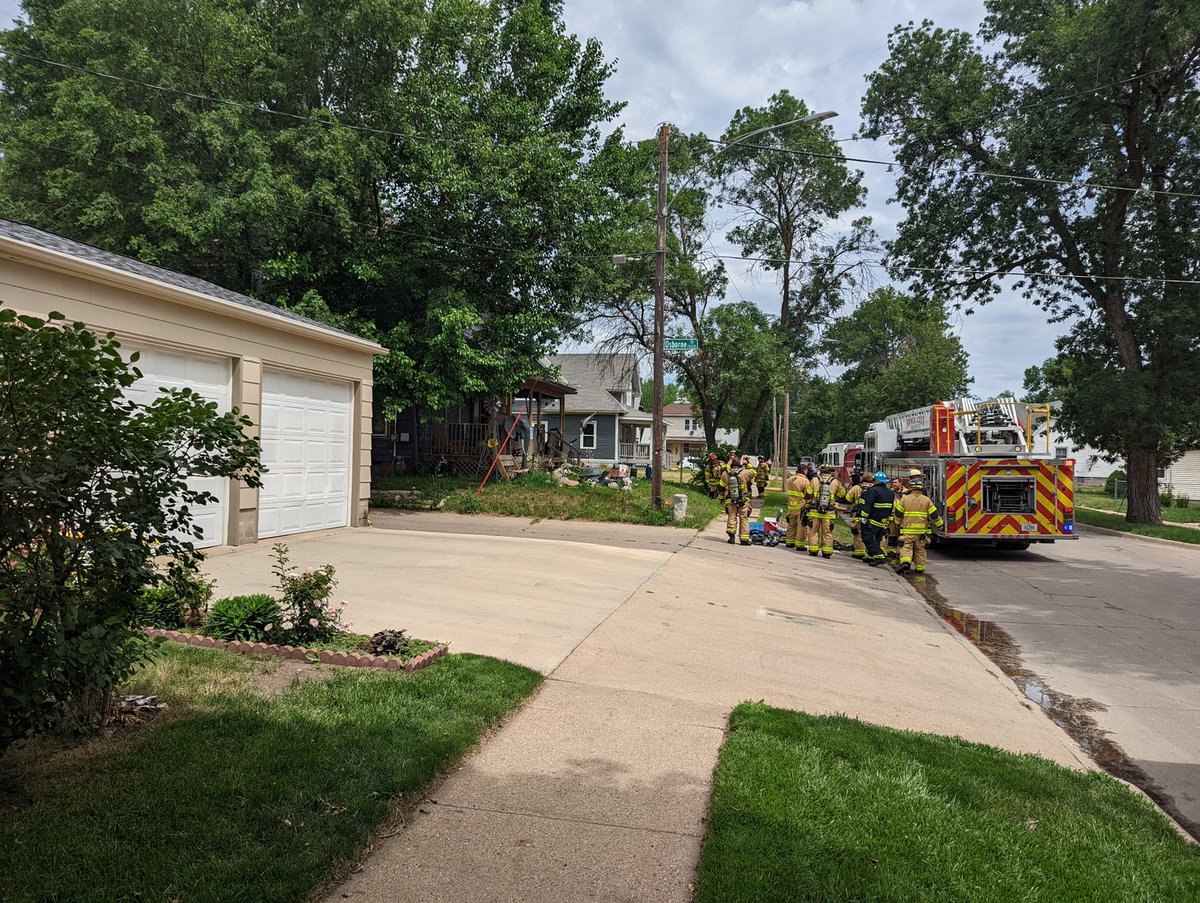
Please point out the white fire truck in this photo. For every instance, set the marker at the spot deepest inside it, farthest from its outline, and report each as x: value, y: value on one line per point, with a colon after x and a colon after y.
x: 982, y: 467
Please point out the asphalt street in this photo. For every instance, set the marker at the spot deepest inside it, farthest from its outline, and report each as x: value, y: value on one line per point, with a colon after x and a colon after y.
x: 1109, y: 628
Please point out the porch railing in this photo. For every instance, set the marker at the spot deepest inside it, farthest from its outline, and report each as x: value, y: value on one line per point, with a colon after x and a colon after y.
x: 634, y: 452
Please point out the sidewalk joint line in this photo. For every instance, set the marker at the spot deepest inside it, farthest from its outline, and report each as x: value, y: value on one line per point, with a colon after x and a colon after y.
x: 573, y: 821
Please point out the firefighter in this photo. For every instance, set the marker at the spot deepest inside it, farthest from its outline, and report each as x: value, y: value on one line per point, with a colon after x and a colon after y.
x: 891, y: 539
x: 762, y: 474
x: 822, y: 494
x: 797, y: 493
x: 850, y: 498
x: 738, y: 480
x: 875, y: 512
x: 712, y: 476
x: 916, y: 516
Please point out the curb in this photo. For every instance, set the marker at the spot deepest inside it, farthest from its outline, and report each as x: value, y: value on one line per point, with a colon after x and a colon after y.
x: 1108, y: 531
x: 303, y: 653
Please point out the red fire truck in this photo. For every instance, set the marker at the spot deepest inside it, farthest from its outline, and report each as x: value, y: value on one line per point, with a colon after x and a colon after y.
x: 845, y: 457
x: 981, y: 468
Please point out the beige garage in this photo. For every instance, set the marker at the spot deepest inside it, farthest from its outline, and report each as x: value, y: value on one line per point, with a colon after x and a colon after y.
x: 306, y: 386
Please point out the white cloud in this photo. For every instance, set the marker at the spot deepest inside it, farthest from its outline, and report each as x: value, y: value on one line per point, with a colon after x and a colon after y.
x: 696, y: 63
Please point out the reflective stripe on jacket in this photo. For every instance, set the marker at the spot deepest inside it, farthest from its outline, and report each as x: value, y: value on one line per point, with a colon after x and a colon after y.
x: 876, y: 505
x: 850, y: 497
x: 914, y: 512
x: 737, y: 486
x: 797, y: 490
x: 814, y: 493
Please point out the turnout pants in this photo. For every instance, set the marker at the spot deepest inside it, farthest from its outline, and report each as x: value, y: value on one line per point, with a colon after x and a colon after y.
x: 737, y: 520
x: 795, y: 530
x: 860, y: 547
x: 912, y: 550
x: 873, y: 538
x: 820, y: 534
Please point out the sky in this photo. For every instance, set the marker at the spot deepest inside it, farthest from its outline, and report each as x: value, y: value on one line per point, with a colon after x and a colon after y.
x: 694, y: 63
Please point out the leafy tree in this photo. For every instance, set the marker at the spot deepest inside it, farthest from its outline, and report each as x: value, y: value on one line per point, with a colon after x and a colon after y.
x: 93, y: 489
x: 1063, y: 143
x: 425, y: 173
x: 737, y: 343
x: 670, y: 392
x: 788, y: 187
x: 898, y: 354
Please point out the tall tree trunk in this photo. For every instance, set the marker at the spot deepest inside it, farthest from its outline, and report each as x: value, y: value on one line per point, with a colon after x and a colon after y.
x: 1141, y: 468
x: 755, y: 417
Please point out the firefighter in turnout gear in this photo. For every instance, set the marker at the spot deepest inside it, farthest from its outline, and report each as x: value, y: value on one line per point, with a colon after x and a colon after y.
x: 822, y: 493
x: 850, y: 497
x: 797, y: 493
x: 875, y: 508
x: 762, y: 474
x: 915, y: 514
x: 713, y: 469
x: 738, y: 481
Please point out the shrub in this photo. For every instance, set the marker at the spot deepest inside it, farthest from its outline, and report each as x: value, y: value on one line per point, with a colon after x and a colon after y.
x: 1182, y: 501
x: 1166, y: 495
x: 254, y: 619
x: 93, y: 490
x: 464, y: 503
x: 390, y: 642
x: 723, y: 450
x: 158, y: 606
x: 308, y: 613
x: 1110, y: 483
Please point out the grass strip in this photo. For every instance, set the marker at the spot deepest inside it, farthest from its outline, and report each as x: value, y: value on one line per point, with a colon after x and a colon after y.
x: 538, y: 496
x: 829, y: 808
x: 236, y: 795
x: 1118, y: 522
x: 1187, y: 515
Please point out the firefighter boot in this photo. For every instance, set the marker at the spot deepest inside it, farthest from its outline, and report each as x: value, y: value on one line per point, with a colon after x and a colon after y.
x: 920, y: 557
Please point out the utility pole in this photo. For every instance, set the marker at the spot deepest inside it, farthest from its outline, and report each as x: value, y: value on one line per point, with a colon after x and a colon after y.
x: 660, y: 290
x: 783, y: 432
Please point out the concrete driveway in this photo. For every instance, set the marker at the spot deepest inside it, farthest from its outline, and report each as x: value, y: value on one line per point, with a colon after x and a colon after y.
x: 501, y: 586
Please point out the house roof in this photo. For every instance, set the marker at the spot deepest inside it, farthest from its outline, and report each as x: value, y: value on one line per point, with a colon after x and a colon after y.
x: 596, y: 376
x: 60, y: 248
x: 679, y: 409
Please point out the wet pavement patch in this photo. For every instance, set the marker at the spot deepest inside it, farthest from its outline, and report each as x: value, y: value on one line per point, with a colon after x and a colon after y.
x: 1072, y: 714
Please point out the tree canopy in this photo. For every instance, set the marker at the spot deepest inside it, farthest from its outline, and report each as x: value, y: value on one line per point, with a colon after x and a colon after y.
x: 421, y: 169
x: 1059, y: 150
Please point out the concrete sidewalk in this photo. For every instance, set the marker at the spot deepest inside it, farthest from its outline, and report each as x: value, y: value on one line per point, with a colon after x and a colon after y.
x: 598, y: 789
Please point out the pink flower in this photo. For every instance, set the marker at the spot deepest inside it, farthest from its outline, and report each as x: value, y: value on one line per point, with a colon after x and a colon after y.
x: 313, y: 622
x: 344, y: 603
x: 349, y: 623
x: 308, y: 570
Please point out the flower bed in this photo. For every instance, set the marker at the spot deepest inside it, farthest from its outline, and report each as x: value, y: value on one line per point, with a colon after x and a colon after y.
x: 305, y: 653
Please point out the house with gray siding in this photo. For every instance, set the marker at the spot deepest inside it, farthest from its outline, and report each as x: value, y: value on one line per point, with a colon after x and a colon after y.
x: 604, y: 419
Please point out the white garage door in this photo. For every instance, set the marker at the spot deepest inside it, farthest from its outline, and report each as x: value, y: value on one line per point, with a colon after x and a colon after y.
x: 211, y: 379
x: 306, y: 454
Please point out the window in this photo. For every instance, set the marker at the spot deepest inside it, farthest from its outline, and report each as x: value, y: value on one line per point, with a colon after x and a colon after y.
x: 587, y: 435
x: 383, y: 426
x: 1061, y: 451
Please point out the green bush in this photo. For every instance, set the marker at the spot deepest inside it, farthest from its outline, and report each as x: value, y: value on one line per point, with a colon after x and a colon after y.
x: 159, y: 606
x: 723, y: 450
x: 94, y: 489
x: 1110, y: 483
x: 254, y: 619
x: 309, y: 614
x: 464, y: 503
x: 1182, y: 501
x: 1166, y: 495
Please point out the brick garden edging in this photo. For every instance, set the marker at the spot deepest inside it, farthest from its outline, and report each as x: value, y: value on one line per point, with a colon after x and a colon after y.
x: 304, y: 654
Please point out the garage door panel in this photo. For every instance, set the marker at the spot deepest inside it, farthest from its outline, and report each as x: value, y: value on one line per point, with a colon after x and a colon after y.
x: 308, y: 487
x: 211, y: 379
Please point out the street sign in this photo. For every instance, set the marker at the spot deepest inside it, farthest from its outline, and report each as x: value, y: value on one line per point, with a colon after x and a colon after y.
x: 680, y: 344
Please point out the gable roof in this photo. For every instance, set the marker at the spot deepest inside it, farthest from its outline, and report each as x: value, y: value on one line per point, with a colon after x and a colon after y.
x: 97, y: 258
x: 679, y: 409
x: 594, y: 375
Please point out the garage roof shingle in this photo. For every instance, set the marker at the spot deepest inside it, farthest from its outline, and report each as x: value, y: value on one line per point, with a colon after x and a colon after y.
x: 77, y: 249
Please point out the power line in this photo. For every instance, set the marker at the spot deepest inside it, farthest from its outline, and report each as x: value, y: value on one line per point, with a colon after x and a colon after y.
x: 797, y: 152
x: 880, y: 264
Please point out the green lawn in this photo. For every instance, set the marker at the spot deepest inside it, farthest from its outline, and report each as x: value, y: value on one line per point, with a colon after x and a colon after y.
x: 536, y: 495
x: 1189, y: 515
x: 237, y: 795
x: 828, y: 808
x: 1118, y: 522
